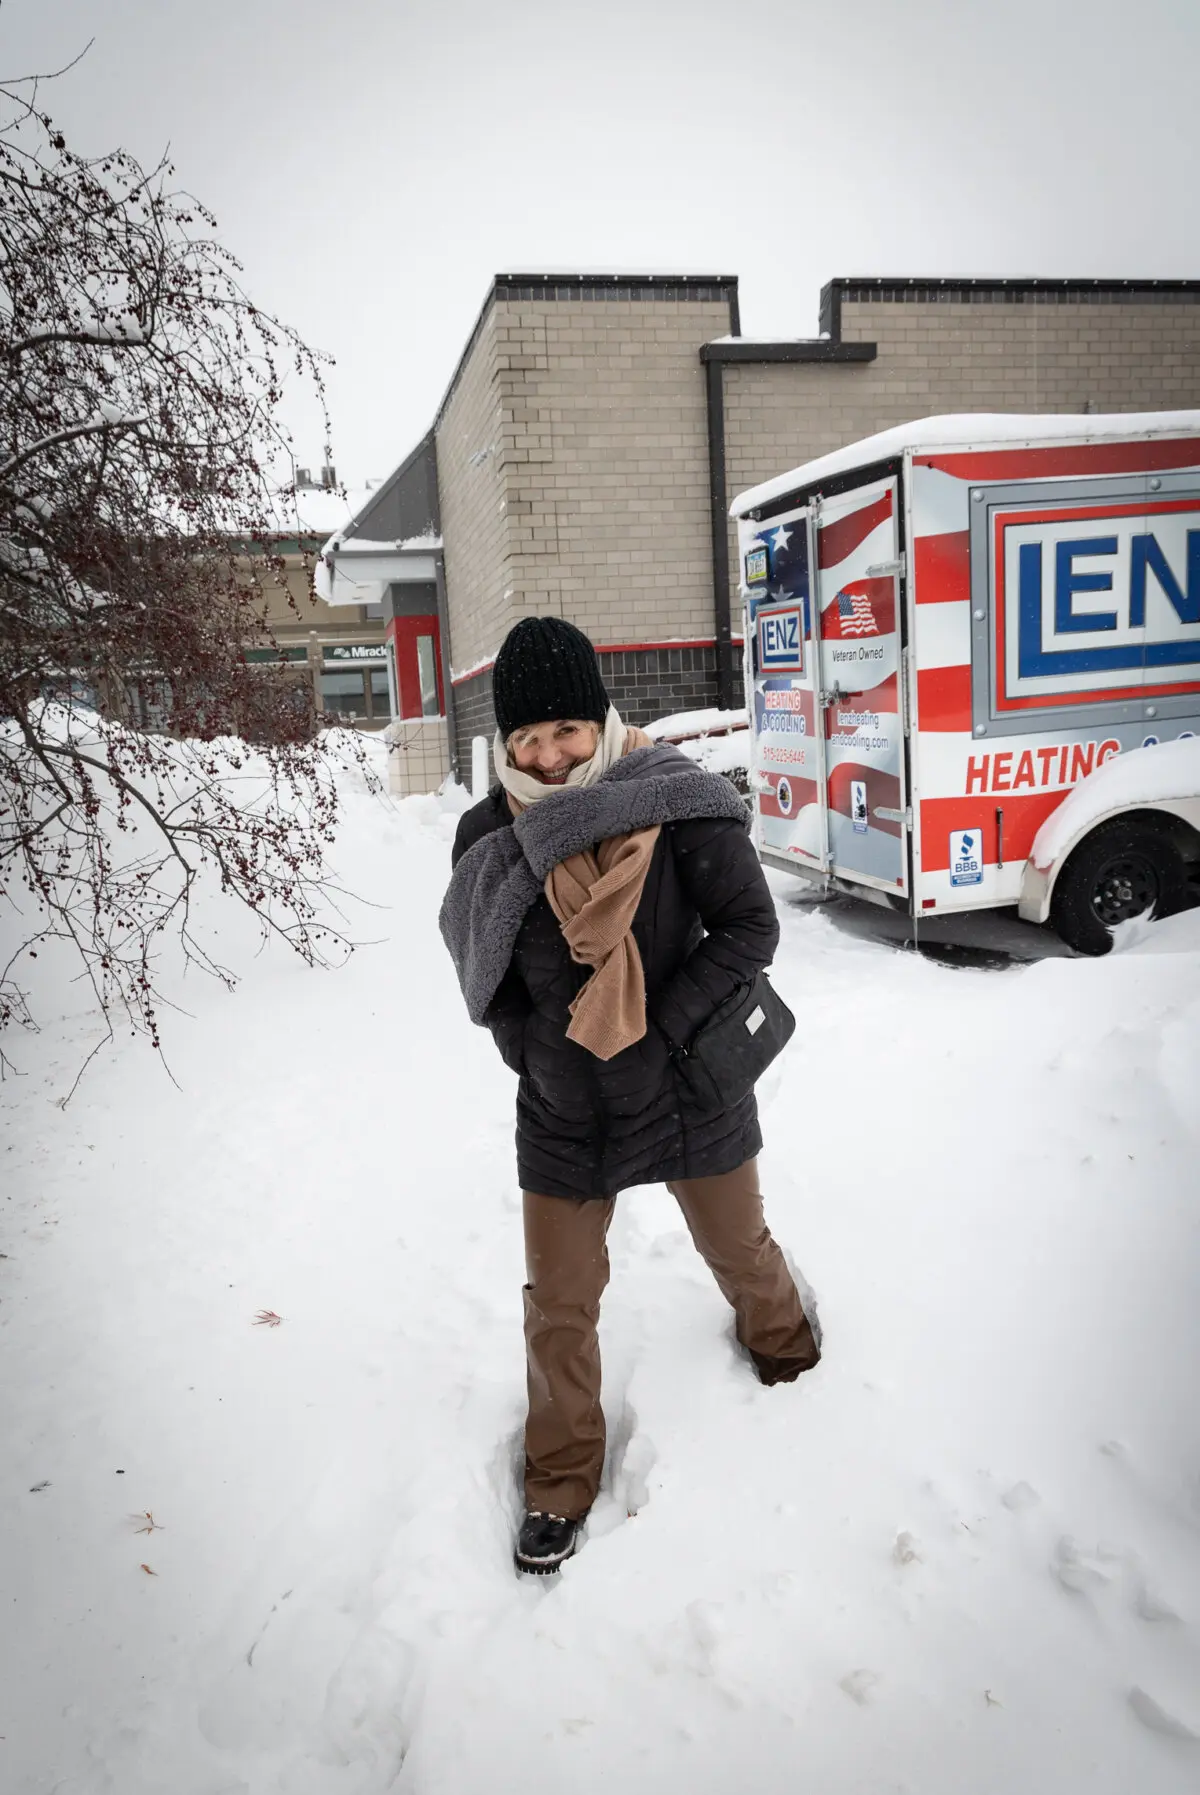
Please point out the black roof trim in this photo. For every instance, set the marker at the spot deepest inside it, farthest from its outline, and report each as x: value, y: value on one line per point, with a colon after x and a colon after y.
x: 997, y: 290
x: 615, y: 280
x: 812, y: 349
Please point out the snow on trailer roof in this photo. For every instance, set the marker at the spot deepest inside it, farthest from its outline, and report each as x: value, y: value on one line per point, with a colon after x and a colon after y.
x: 968, y: 430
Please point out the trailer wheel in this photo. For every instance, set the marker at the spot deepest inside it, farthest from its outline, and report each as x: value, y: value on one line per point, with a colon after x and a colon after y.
x: 1123, y: 869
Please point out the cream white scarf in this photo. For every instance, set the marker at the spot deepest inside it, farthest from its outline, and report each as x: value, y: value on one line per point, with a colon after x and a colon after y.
x: 528, y: 790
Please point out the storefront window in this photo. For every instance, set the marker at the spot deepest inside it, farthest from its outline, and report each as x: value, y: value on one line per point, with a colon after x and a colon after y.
x: 345, y: 693
x: 427, y: 672
x: 381, y: 698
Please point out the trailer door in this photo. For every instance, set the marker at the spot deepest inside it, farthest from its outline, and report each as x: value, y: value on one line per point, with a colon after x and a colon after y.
x: 788, y: 766
x: 858, y: 601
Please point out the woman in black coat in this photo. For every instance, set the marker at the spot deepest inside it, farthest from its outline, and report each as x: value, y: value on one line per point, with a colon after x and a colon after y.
x: 606, y: 899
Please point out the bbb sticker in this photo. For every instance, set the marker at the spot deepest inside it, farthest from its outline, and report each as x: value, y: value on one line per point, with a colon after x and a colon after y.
x: 966, y: 857
x: 858, y: 806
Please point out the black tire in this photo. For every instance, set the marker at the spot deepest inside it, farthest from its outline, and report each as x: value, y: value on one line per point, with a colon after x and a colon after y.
x: 1129, y: 867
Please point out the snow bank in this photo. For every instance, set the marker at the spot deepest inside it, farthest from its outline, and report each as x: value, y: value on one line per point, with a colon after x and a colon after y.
x: 1143, y: 776
x: 274, y: 1559
x: 690, y: 723
x: 728, y: 754
x: 718, y: 740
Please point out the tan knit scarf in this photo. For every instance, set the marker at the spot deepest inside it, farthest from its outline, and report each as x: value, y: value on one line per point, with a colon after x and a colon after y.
x: 595, y: 896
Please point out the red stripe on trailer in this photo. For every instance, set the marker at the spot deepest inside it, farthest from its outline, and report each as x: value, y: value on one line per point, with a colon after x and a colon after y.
x: 1023, y: 817
x: 942, y: 565
x: 1080, y: 458
x: 884, y: 698
x: 944, y: 699
x: 837, y: 540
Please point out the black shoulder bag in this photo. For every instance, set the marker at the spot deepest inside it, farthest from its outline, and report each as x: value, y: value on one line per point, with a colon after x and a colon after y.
x: 729, y: 1053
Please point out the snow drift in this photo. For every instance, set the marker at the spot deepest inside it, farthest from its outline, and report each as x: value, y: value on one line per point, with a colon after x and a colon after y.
x: 964, y: 1554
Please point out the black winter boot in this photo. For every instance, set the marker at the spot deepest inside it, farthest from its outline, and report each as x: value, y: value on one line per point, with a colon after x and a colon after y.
x: 545, y: 1542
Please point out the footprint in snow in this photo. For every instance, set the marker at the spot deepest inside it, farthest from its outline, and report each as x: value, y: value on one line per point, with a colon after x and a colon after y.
x: 1076, y: 1570
x: 808, y: 1297
x: 506, y: 1472
x: 1083, y: 1572
x: 632, y: 1483
x: 1149, y: 1605
x: 859, y: 1685
x: 1158, y: 1720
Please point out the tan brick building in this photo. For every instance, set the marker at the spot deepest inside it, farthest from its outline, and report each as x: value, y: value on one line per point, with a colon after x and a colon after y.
x: 596, y: 427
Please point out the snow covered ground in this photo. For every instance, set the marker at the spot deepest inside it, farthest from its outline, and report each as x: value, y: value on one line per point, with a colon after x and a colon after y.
x: 961, y: 1558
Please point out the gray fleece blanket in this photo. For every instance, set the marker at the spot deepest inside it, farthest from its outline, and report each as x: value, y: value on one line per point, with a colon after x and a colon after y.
x: 498, y: 878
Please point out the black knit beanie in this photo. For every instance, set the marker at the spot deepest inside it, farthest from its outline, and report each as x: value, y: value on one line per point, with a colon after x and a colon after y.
x: 546, y: 669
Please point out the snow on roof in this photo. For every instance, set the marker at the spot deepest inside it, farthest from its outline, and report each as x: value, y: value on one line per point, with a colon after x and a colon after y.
x: 362, y: 545
x: 967, y: 430
x: 1144, y: 776
x: 320, y: 511
x: 771, y: 341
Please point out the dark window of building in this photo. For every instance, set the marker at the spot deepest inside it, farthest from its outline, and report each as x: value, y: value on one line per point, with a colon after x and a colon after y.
x: 345, y: 693
x: 380, y: 696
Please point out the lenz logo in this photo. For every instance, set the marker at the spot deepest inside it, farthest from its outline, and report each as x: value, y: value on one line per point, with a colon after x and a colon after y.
x: 1098, y: 601
x: 781, y: 641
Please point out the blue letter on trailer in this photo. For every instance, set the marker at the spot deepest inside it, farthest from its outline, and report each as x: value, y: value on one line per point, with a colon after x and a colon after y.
x: 1067, y: 582
x: 1148, y: 554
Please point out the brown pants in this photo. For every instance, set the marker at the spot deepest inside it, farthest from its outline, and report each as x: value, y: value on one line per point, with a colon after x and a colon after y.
x: 567, y: 1260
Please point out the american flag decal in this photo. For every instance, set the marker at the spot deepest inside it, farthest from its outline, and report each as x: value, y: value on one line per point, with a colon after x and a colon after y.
x: 855, y: 616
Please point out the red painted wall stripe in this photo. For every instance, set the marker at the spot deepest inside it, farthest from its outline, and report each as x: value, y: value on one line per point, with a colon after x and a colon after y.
x: 1023, y: 817
x: 942, y: 566
x: 944, y: 699
x: 1083, y: 458
x: 408, y: 677
x: 837, y: 540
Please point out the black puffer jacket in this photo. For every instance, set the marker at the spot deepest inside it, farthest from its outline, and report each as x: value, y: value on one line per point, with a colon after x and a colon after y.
x: 588, y: 1127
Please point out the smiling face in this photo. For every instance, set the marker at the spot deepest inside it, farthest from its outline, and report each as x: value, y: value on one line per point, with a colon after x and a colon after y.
x: 548, y: 751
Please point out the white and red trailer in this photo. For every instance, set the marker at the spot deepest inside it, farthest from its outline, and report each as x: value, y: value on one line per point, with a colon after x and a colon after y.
x: 953, y: 625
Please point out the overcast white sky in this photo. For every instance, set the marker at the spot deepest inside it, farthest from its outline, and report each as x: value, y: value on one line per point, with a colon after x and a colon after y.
x: 374, y: 162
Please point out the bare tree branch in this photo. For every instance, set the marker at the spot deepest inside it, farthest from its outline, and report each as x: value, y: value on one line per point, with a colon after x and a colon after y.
x: 139, y: 519
x: 112, y: 339
x: 92, y: 427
